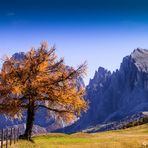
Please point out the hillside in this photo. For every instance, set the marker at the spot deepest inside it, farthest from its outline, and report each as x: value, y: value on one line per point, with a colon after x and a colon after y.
x: 133, y: 137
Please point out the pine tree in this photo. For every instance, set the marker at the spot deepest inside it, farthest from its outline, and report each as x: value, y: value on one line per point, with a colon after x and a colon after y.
x: 41, y: 80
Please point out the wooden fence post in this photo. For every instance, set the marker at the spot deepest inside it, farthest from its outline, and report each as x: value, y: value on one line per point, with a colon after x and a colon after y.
x: 14, y: 134
x: 11, y: 136
x: 2, y: 138
x: 6, y: 138
x: 17, y: 134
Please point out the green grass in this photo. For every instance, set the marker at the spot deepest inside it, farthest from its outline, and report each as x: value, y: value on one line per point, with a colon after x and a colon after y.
x: 136, y: 137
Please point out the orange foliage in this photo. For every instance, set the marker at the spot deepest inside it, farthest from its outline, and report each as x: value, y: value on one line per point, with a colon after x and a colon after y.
x: 41, y: 80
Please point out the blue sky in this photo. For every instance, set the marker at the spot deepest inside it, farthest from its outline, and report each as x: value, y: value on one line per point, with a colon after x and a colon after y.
x: 101, y: 32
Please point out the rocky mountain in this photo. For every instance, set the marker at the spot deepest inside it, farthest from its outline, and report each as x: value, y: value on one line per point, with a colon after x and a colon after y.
x: 114, y: 96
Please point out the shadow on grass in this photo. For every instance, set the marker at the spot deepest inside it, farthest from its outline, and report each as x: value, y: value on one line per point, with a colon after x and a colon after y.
x: 22, y: 137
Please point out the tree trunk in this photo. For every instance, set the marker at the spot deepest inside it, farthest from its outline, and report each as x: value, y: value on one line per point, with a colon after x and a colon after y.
x: 29, y: 122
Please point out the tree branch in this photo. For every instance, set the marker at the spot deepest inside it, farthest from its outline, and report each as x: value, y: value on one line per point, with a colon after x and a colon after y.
x: 71, y: 74
x: 55, y: 110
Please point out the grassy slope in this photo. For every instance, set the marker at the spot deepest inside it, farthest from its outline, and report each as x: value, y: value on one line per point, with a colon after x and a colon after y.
x: 135, y: 137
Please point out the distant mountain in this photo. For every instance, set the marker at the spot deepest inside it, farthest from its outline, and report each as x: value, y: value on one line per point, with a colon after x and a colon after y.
x: 43, y: 122
x: 115, y: 96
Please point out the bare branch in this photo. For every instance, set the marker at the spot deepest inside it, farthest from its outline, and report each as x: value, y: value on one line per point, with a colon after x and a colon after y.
x: 55, y: 110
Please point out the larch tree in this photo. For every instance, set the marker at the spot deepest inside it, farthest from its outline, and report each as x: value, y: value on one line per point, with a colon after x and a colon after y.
x: 41, y: 80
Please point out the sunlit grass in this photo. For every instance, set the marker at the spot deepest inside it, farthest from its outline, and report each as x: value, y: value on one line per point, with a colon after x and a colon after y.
x: 136, y: 137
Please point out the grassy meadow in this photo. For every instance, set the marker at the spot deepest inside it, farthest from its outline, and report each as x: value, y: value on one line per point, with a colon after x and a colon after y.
x: 136, y: 137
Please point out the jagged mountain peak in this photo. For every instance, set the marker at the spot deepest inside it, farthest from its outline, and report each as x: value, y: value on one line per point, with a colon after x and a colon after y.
x: 101, y: 73
x: 102, y: 69
x: 100, y: 77
x: 140, y: 57
x: 140, y: 51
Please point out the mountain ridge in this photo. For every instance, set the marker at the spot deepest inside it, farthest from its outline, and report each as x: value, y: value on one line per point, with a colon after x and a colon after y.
x: 114, y: 96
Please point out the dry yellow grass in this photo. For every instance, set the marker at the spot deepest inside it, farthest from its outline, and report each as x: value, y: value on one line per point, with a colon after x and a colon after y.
x: 136, y: 137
